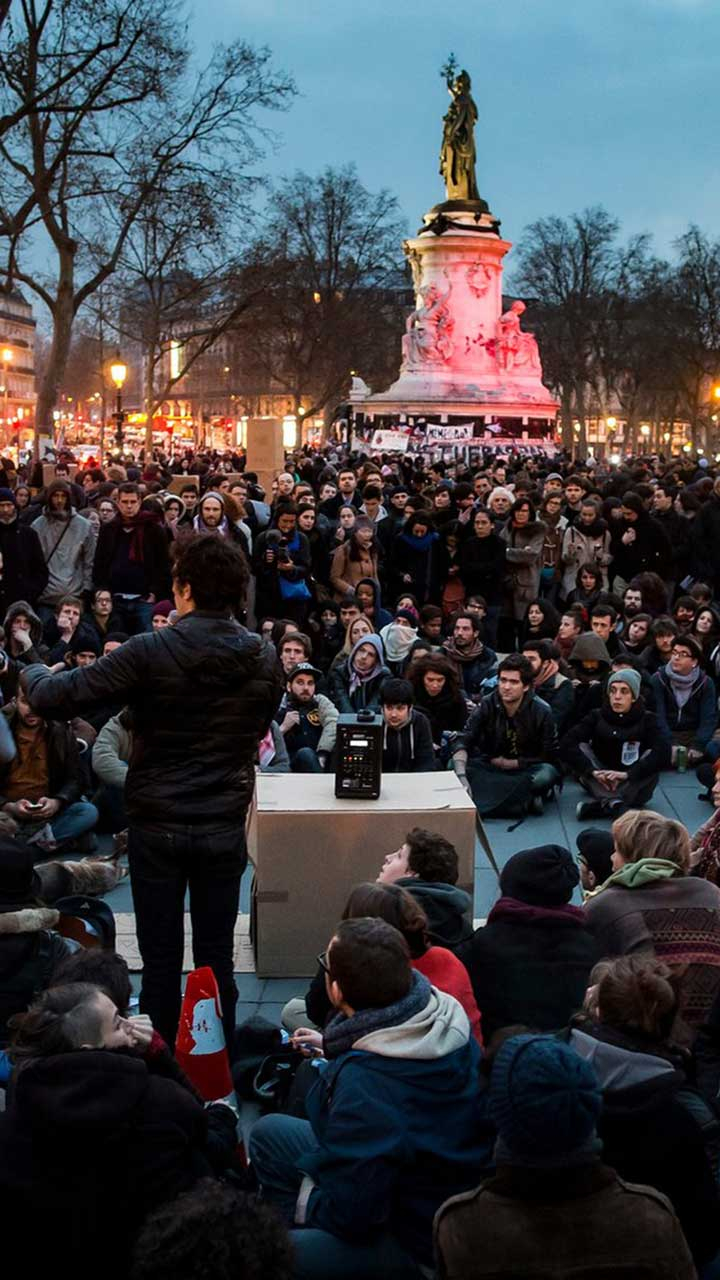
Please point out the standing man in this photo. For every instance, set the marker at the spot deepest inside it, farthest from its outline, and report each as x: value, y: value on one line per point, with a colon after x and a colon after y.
x: 68, y: 546
x: 202, y: 693
x: 23, y: 572
x: 132, y: 561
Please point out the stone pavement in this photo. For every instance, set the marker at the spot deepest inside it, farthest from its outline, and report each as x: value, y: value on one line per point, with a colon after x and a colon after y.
x: 676, y: 797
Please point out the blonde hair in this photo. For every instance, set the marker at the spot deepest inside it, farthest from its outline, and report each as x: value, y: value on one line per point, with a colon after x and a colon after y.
x: 641, y: 833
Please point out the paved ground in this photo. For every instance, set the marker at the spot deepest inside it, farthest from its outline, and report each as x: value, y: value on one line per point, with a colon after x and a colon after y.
x: 676, y: 797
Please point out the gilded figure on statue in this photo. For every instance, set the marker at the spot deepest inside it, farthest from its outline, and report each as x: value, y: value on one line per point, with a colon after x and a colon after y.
x: 457, y: 155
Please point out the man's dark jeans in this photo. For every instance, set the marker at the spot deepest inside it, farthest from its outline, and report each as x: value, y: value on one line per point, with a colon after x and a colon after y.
x: 164, y: 862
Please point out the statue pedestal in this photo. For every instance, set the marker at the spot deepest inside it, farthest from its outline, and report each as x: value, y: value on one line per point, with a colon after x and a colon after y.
x: 462, y: 356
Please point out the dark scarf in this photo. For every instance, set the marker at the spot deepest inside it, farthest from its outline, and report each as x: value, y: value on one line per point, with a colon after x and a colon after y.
x: 517, y: 912
x: 419, y: 544
x: 138, y: 524
x: 594, y: 530
x: 624, y: 719
x: 341, y: 1032
x: 464, y: 655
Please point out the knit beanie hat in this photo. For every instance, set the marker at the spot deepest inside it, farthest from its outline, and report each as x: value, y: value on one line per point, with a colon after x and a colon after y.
x: 542, y: 877
x: 163, y: 609
x: 408, y: 615
x: 629, y: 677
x: 7, y: 495
x: 544, y: 1098
x: 85, y: 641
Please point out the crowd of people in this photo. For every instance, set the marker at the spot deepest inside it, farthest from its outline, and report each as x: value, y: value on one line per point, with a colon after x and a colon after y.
x: 537, y: 1096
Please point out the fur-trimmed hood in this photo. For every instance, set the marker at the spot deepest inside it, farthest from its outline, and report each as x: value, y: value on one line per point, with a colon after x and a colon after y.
x: 27, y: 920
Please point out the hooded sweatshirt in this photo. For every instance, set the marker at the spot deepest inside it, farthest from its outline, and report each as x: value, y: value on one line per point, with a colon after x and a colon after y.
x: 399, y: 1122
x: 68, y: 544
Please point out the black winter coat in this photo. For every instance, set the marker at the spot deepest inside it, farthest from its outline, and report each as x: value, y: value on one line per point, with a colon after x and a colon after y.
x: 23, y: 571
x: 364, y: 697
x: 529, y: 737
x: 90, y: 1144
x: 649, y: 553
x: 529, y: 966
x: 483, y: 567
x: 202, y: 694
x: 607, y: 732
x: 155, y: 557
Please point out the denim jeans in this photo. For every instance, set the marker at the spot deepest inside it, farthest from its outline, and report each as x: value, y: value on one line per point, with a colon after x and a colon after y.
x: 305, y: 760
x: 74, y: 821
x: 164, y: 862
x: 276, y: 1143
x: 133, y: 616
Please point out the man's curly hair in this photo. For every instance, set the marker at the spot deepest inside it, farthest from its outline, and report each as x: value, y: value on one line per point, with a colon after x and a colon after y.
x: 213, y: 1232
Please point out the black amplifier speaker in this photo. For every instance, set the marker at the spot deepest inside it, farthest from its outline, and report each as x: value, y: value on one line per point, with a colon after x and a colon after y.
x: 358, y: 752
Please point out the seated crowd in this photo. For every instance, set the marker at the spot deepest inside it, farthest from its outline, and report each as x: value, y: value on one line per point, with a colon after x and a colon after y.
x: 535, y: 1096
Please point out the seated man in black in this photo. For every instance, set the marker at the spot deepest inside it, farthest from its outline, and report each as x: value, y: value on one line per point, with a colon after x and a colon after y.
x: 308, y: 721
x: 506, y: 756
x: 408, y: 745
x: 617, y: 751
x: 426, y: 864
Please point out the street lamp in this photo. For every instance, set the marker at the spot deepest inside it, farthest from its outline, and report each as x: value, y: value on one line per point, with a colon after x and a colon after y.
x: 7, y: 355
x: 118, y: 373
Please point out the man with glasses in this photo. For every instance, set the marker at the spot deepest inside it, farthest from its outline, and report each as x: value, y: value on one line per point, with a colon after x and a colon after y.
x: 394, y: 1120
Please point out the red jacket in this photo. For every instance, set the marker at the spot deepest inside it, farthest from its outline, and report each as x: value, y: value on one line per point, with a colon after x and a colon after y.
x: 447, y: 973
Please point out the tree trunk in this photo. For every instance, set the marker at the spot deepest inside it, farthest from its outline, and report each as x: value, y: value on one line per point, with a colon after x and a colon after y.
x: 580, y: 437
x: 566, y: 417
x: 63, y: 316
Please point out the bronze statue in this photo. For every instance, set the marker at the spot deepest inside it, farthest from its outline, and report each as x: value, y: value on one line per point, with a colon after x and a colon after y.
x: 457, y: 155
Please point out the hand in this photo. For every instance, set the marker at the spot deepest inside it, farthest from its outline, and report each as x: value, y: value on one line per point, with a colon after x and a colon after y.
x: 628, y: 537
x: 407, y: 577
x: 463, y: 780
x: 309, y: 1042
x: 269, y: 555
x: 151, y: 598
x: 49, y: 808
x: 291, y: 719
x: 601, y: 776
x: 141, y: 1031
x: 14, y: 809
x: 694, y: 755
x: 22, y: 637
x: 284, y: 565
x: 614, y: 778
x: 340, y: 534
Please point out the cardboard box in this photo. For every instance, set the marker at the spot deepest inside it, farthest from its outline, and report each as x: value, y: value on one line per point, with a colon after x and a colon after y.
x: 265, y: 453
x: 309, y: 850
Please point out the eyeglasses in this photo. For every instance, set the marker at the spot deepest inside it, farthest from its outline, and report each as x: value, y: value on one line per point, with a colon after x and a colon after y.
x: 323, y: 961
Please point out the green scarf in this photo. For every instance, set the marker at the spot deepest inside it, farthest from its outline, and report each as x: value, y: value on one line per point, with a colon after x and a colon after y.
x: 645, y: 871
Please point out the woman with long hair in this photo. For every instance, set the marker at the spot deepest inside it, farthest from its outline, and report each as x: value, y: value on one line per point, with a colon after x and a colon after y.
x: 357, y: 558
x: 541, y: 621
x: 437, y: 692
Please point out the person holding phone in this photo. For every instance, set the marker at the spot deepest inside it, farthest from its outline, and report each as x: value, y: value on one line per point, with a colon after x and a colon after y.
x: 40, y: 786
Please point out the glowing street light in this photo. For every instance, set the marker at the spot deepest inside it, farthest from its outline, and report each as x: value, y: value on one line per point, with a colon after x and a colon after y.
x: 118, y: 373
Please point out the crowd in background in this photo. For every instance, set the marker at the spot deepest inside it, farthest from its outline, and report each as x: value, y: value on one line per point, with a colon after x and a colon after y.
x: 544, y: 1089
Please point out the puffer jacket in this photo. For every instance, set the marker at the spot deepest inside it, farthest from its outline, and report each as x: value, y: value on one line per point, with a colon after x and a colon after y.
x: 202, y: 694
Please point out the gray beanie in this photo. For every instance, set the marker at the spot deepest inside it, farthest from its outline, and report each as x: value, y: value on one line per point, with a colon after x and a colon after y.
x: 630, y: 677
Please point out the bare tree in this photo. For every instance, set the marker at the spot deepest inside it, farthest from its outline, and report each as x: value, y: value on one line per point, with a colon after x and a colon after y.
x: 572, y: 269
x: 336, y: 288
x: 139, y: 116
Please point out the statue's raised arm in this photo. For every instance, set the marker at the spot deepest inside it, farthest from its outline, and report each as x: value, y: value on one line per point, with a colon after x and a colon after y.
x: 457, y: 155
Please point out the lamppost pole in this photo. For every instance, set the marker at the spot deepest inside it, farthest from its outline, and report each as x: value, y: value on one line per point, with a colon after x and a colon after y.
x: 7, y: 356
x: 118, y: 373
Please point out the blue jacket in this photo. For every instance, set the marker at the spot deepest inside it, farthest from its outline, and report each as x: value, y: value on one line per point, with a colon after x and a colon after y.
x: 397, y: 1135
x: 699, y: 714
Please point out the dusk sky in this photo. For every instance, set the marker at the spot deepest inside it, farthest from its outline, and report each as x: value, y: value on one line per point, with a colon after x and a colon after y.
x: 580, y: 101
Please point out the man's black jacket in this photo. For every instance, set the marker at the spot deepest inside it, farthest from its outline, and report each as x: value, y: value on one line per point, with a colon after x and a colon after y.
x: 202, y: 694
x: 530, y: 736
